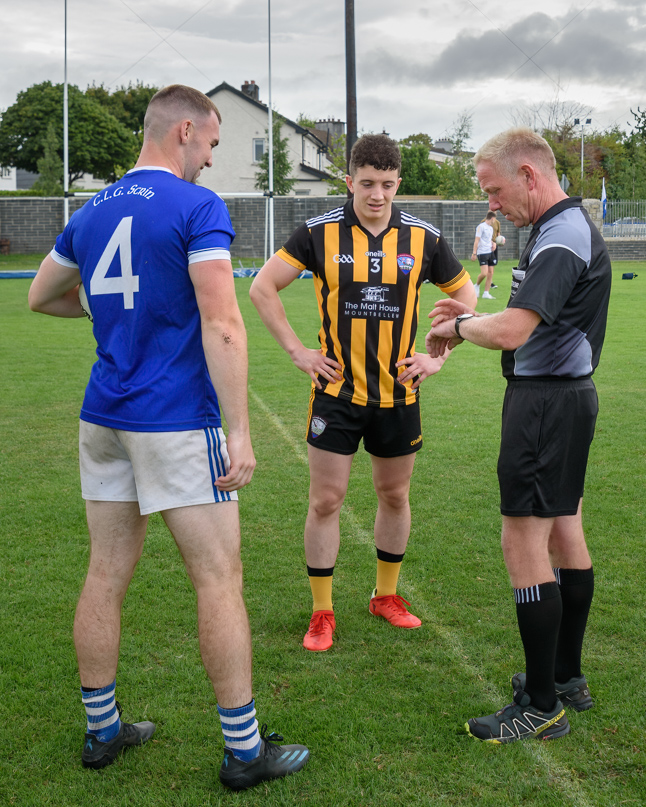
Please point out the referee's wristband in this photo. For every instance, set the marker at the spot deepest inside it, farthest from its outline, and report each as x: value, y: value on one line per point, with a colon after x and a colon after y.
x: 458, y: 320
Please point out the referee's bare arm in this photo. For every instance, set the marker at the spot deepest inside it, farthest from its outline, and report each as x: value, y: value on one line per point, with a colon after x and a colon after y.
x: 507, y: 330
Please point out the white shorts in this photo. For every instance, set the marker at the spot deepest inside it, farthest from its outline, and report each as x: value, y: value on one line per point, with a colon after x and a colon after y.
x: 160, y: 470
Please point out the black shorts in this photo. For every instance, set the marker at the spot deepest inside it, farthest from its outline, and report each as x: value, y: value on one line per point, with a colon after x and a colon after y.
x: 486, y: 258
x: 547, y: 428
x: 337, y: 425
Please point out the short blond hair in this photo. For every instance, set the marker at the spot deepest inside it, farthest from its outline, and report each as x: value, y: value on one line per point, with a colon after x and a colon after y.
x: 173, y: 103
x: 508, y: 150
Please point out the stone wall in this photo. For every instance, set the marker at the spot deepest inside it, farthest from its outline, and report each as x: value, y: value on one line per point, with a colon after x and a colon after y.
x: 456, y: 220
x: 626, y: 249
x: 32, y: 223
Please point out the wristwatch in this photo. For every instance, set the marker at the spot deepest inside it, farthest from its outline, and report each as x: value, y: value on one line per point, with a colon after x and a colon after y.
x: 460, y: 319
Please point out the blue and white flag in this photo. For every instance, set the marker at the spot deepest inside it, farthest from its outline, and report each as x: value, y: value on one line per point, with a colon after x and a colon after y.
x: 603, y: 197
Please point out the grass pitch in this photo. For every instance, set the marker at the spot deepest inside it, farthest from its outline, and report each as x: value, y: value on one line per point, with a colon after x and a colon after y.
x: 383, y: 710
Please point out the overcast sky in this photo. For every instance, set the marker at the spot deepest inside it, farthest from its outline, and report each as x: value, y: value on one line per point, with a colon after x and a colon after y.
x: 420, y: 63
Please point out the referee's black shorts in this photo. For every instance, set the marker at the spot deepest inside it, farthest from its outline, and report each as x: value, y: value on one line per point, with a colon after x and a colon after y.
x: 547, y: 427
x: 337, y: 425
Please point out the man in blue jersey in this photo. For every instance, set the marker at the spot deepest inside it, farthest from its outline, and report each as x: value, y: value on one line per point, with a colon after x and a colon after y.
x: 551, y: 335
x: 153, y: 254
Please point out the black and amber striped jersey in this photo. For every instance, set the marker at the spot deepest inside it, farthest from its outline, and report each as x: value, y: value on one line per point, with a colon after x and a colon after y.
x: 367, y: 289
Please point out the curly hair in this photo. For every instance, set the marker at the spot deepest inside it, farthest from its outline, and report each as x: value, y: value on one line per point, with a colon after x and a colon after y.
x: 377, y: 150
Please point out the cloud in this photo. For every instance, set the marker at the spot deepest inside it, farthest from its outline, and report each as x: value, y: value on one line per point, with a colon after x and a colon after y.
x: 599, y: 45
x: 419, y: 64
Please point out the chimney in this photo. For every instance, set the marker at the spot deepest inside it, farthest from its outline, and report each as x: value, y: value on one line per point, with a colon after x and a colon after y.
x: 251, y: 89
x: 334, y: 127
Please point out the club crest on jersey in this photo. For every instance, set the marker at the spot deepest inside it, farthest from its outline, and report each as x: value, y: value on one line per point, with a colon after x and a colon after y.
x: 405, y: 263
x: 374, y: 294
x: 317, y: 426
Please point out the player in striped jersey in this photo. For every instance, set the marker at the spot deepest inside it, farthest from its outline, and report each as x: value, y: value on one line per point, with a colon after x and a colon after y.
x: 368, y: 261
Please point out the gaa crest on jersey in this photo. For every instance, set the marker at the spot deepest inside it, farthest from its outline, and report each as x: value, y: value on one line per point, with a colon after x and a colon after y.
x: 317, y: 426
x: 405, y: 263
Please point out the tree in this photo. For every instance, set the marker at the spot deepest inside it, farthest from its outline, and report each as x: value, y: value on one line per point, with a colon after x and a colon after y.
x: 305, y: 122
x: 337, y: 166
x: 50, y: 166
x: 624, y: 166
x: 458, y: 174
x: 420, y: 175
x: 98, y: 143
x: 611, y: 154
x: 550, y: 116
x: 281, y: 162
x: 127, y: 104
x: 417, y: 139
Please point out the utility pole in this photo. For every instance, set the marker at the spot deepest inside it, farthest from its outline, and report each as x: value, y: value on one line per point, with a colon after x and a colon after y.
x: 269, y: 216
x: 66, y: 142
x: 350, y: 81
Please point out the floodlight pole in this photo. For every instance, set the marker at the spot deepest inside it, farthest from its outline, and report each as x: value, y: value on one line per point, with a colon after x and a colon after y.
x: 270, y: 161
x: 350, y: 81
x: 66, y: 157
x: 588, y: 121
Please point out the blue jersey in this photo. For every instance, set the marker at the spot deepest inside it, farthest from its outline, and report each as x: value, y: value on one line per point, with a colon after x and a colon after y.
x: 133, y: 243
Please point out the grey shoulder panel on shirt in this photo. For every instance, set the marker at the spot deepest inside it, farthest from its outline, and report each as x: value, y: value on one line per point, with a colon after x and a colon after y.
x: 569, y: 230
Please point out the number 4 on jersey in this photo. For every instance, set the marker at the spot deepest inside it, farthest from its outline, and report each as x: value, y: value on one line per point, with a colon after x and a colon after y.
x: 127, y: 283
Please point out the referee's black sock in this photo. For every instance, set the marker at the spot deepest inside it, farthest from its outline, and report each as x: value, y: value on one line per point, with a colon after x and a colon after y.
x: 577, y: 589
x: 538, y: 609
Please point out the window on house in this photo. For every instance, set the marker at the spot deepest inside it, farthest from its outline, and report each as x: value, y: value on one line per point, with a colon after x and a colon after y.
x: 5, y: 172
x: 258, y: 148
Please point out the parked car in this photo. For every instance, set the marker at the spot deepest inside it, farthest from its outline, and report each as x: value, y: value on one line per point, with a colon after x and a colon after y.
x: 625, y: 227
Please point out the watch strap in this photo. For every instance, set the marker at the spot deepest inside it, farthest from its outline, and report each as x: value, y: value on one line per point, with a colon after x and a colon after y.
x: 460, y: 319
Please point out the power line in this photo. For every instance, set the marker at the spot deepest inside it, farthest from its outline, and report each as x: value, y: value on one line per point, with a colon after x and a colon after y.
x: 164, y: 40
x: 527, y: 58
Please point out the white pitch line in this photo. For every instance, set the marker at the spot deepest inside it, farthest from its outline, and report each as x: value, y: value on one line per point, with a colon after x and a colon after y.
x: 295, y: 445
x: 538, y: 750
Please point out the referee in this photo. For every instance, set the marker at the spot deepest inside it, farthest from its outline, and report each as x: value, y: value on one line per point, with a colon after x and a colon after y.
x: 551, y: 335
x: 368, y: 261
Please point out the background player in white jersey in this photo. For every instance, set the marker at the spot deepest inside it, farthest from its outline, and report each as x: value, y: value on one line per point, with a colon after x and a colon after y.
x: 153, y: 254
x: 484, y: 251
x: 369, y: 260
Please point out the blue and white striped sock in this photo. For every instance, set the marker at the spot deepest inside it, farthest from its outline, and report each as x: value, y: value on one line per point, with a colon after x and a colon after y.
x: 101, y: 710
x: 240, y: 729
